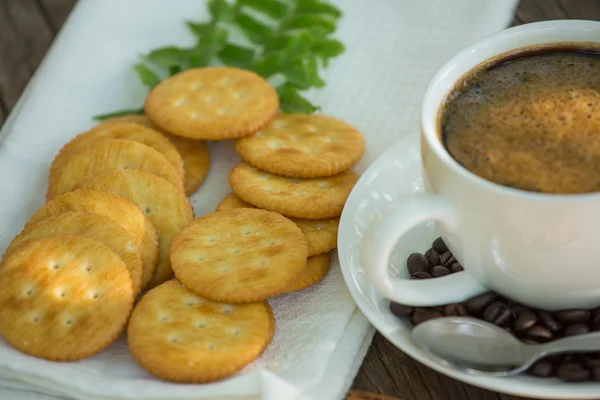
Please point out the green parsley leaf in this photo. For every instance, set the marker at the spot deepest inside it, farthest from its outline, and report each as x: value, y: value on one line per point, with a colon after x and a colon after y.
x: 317, y: 7
x: 146, y: 75
x: 122, y: 113
x: 327, y: 48
x: 273, y: 8
x: 220, y: 11
x: 307, y: 21
x: 166, y: 57
x: 199, y: 29
x: 292, y: 102
x: 236, y: 56
x: 255, y: 31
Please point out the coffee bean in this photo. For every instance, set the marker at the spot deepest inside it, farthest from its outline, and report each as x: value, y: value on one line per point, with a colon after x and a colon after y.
x: 591, y: 360
x: 498, y: 313
x: 543, y: 368
x: 417, y: 262
x: 451, y: 261
x: 477, y: 304
x: 525, y: 320
x: 452, y: 310
x: 539, y: 333
x: 425, y: 315
x: 519, y: 308
x: 596, y: 320
x: 596, y: 373
x: 569, y: 317
x: 576, y: 329
x: 433, y: 257
x: 421, y: 275
x: 400, y: 310
x: 549, y: 321
x: 572, y: 371
x: 445, y: 257
x: 439, y: 270
x: 439, y: 245
x: 456, y: 267
x: 529, y: 341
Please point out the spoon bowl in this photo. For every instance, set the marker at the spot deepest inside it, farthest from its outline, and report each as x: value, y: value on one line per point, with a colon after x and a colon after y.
x: 478, y: 347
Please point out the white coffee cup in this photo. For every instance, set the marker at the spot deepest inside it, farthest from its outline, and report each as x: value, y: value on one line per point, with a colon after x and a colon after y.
x: 539, y: 249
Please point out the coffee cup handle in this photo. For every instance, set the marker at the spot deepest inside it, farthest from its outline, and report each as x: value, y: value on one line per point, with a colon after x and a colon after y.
x: 389, y: 228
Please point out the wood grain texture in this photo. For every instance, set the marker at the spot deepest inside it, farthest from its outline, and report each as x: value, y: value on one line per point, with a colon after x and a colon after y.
x: 27, y: 28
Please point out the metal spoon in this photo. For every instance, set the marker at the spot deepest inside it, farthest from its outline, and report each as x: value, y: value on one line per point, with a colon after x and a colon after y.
x: 478, y: 347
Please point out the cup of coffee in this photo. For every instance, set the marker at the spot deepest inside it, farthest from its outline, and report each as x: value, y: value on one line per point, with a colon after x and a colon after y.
x: 510, y: 145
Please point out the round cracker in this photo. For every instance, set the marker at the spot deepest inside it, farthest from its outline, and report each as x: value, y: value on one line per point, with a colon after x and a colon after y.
x: 239, y: 256
x: 165, y: 205
x: 93, y: 226
x: 303, y: 146
x: 321, y: 234
x: 179, y: 336
x: 315, y: 270
x: 114, y: 207
x: 107, y: 156
x: 64, y: 297
x: 196, y: 159
x: 195, y: 153
x: 318, y: 198
x: 212, y: 103
x: 119, y: 130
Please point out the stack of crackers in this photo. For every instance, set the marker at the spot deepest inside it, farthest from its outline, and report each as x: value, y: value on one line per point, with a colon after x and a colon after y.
x: 116, y: 247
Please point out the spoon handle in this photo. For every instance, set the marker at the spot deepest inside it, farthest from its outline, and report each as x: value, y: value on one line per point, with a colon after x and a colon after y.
x: 580, y: 343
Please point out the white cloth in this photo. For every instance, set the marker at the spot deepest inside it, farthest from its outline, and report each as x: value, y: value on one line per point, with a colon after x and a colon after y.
x: 393, y: 49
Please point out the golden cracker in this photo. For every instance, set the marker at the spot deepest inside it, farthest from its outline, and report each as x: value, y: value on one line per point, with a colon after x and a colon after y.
x: 196, y: 160
x: 321, y: 234
x: 115, y: 207
x: 303, y: 146
x: 64, y: 297
x: 93, y: 226
x: 316, y: 269
x: 107, y: 156
x: 179, y: 336
x: 318, y: 198
x: 167, y: 208
x: 239, y: 256
x: 195, y: 153
x: 112, y: 129
x: 212, y: 103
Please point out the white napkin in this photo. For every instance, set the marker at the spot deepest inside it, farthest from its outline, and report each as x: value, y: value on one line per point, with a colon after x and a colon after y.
x: 393, y: 49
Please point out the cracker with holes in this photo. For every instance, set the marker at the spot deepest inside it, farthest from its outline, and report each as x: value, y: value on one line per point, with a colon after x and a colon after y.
x: 64, y: 297
x: 115, y: 207
x: 195, y: 153
x: 212, y: 103
x: 321, y: 234
x: 239, y: 256
x: 165, y: 205
x: 317, y: 198
x: 107, y: 156
x: 315, y: 270
x: 123, y: 130
x: 179, y: 336
x: 303, y: 146
x: 93, y: 226
x: 196, y: 160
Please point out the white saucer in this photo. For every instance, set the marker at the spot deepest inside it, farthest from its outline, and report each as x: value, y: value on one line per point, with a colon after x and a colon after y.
x: 398, y: 173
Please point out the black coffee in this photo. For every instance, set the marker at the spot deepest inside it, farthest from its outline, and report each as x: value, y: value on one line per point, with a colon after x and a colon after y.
x: 530, y: 120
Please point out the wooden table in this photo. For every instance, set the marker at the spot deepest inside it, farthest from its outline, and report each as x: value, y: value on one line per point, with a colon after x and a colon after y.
x: 28, y: 27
